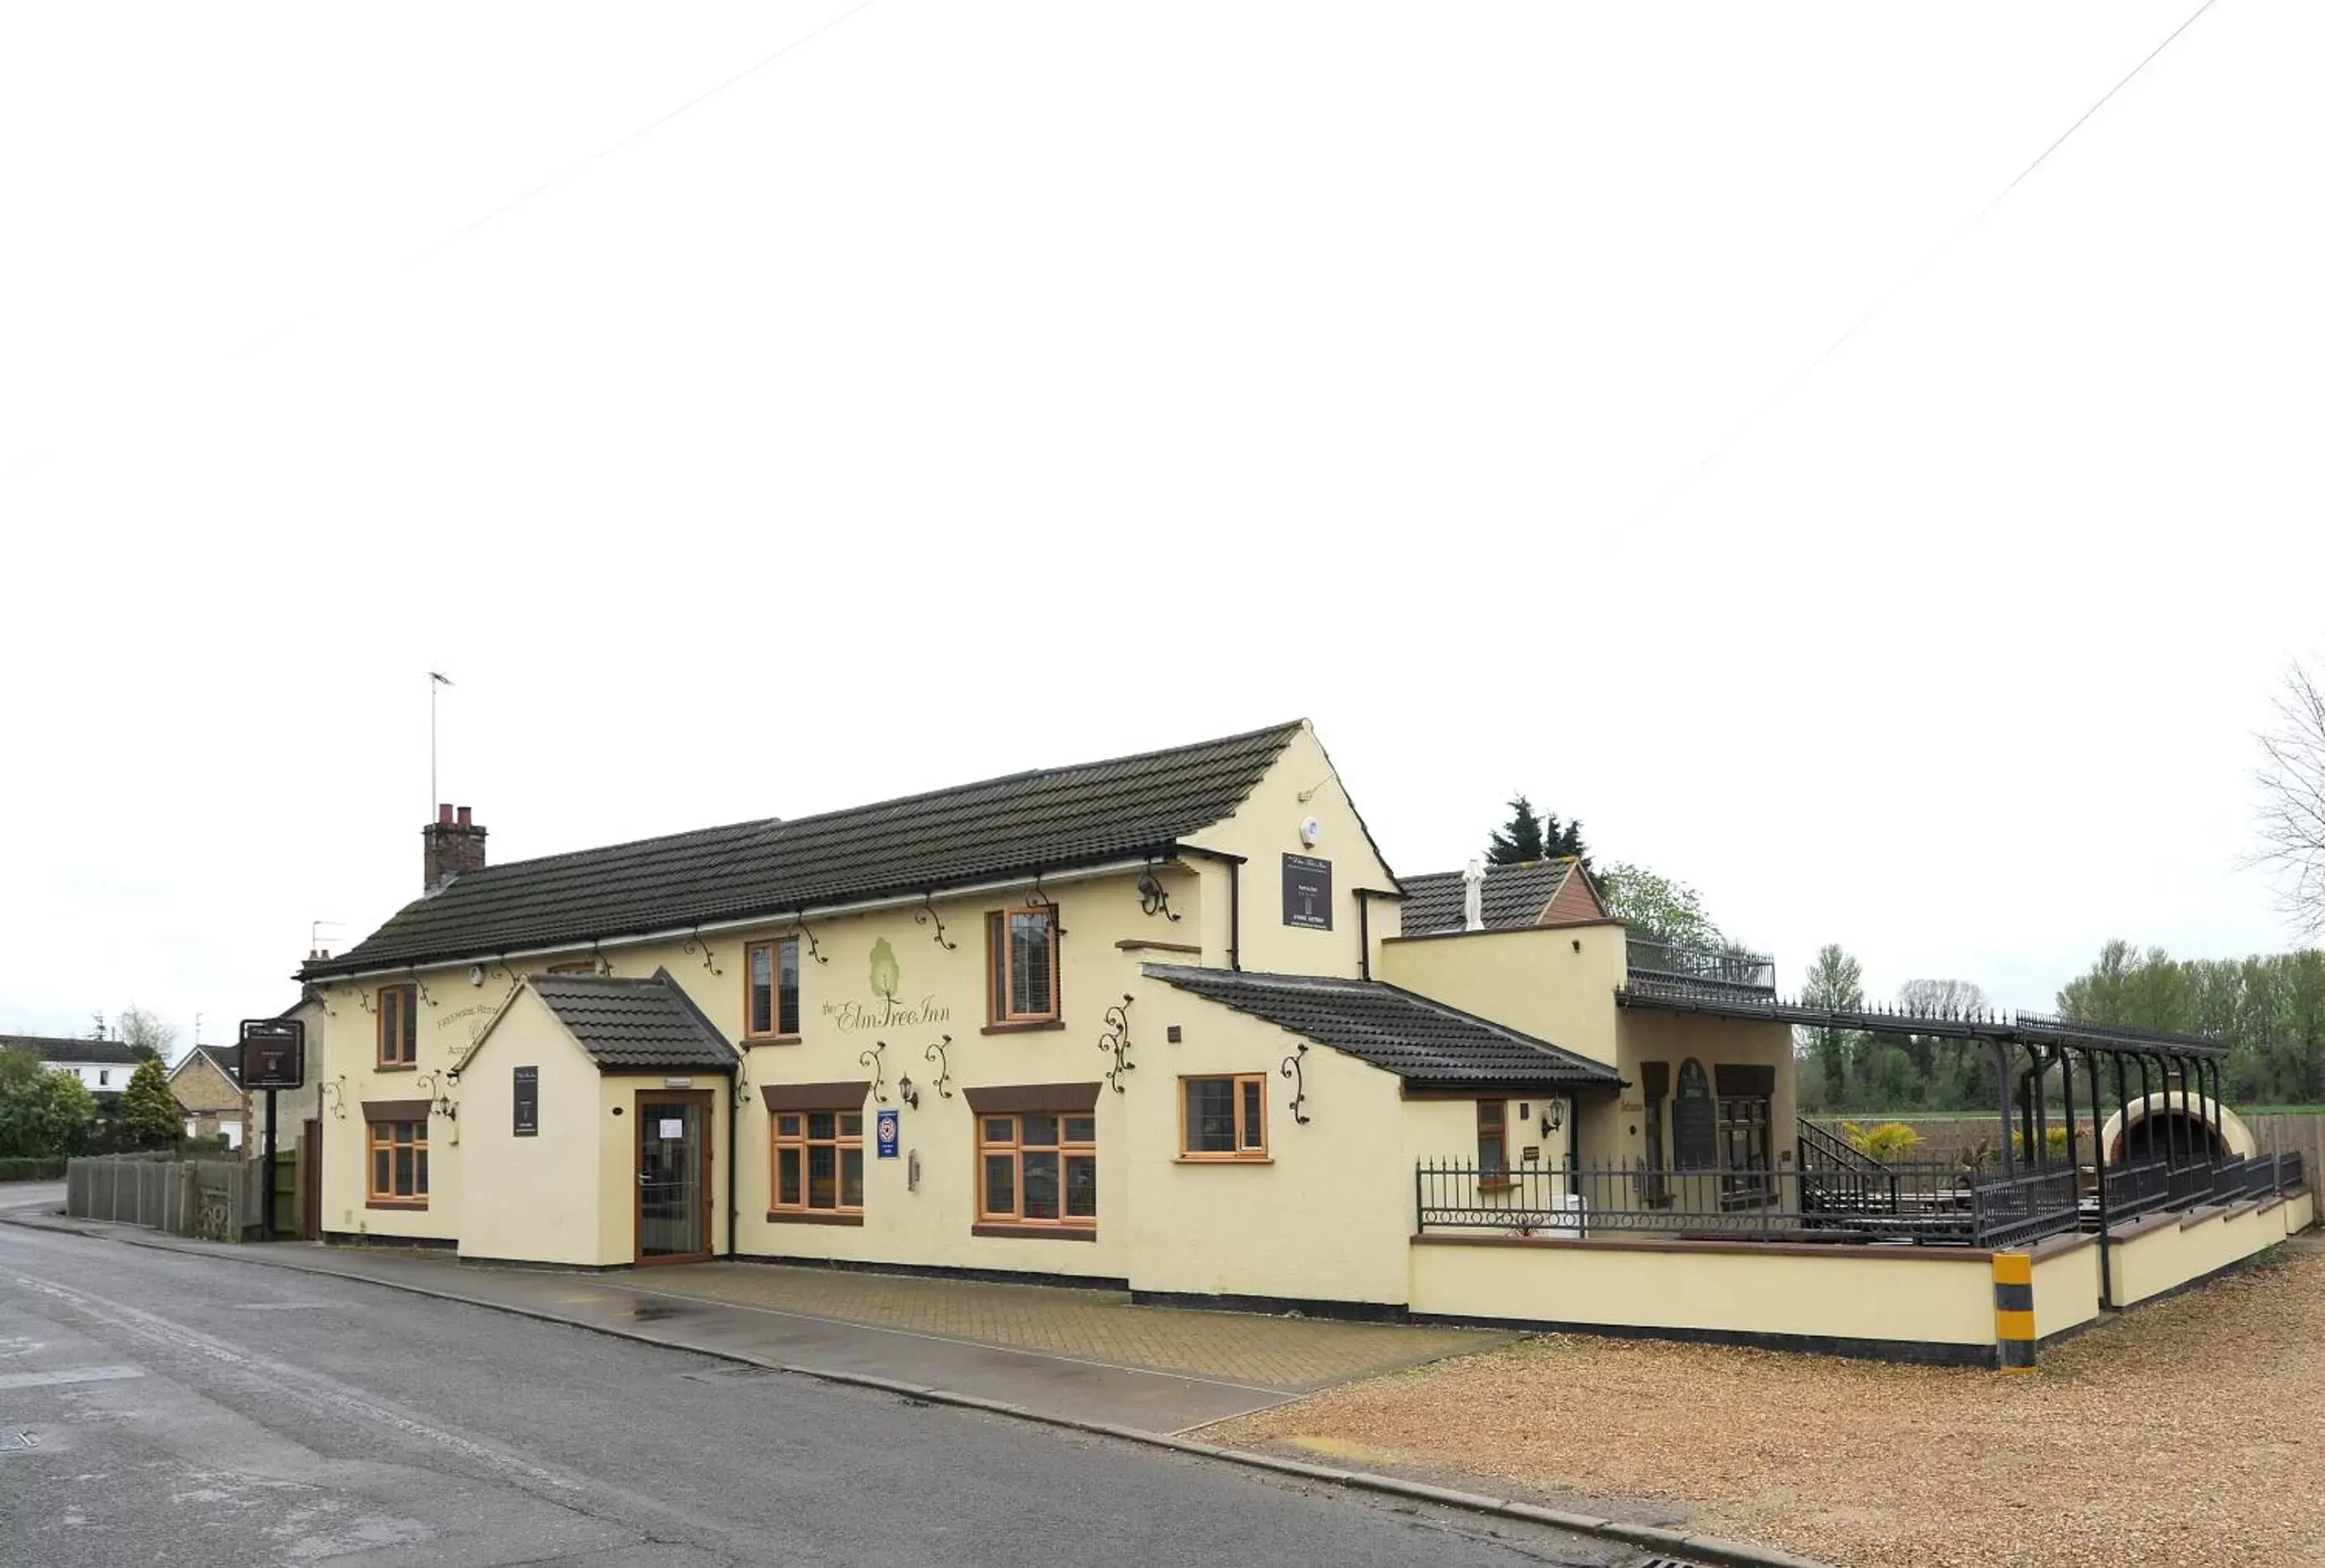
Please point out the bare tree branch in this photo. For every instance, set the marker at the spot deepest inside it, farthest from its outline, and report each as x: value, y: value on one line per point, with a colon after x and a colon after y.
x: 2290, y: 815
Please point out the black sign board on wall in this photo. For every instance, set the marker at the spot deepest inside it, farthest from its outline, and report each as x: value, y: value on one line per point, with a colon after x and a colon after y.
x: 1308, y: 893
x: 274, y: 1053
x: 528, y: 1101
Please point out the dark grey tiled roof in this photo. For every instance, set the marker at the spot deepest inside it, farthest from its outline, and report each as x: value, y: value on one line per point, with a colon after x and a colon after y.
x: 226, y: 1058
x: 1514, y: 896
x: 643, y: 1025
x: 1039, y: 821
x: 58, y: 1049
x: 1419, y: 1040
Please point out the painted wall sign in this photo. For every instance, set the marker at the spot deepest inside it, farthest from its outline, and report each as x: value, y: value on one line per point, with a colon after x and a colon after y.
x: 1308, y: 893
x: 887, y: 1125
x: 274, y: 1053
x: 528, y: 1102
x: 887, y: 1010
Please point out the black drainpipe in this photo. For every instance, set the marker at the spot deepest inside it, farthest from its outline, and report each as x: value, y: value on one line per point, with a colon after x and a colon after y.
x: 734, y: 1143
x: 1364, y: 937
x: 1234, y: 915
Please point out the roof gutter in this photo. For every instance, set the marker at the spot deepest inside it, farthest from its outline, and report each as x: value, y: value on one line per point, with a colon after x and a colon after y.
x: 768, y: 917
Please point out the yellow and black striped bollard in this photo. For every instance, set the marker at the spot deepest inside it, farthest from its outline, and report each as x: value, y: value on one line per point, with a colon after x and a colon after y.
x: 2013, y: 1311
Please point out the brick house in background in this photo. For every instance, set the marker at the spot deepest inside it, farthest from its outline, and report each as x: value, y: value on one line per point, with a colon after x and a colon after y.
x: 208, y: 1084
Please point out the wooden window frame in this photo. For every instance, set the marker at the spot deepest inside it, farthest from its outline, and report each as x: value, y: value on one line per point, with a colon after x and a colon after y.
x: 375, y: 1197
x: 999, y: 950
x: 1015, y: 1222
x: 404, y: 1005
x: 774, y: 1033
x: 1243, y: 1153
x: 839, y: 1211
x: 1494, y: 1174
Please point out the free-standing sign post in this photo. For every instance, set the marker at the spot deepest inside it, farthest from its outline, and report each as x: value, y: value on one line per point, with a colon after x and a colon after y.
x: 273, y: 1058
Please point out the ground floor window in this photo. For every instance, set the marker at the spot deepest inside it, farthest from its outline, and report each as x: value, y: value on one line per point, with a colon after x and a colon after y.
x: 1493, y: 1141
x: 1745, y: 1121
x: 820, y: 1161
x: 1224, y: 1118
x: 1038, y: 1168
x: 399, y: 1162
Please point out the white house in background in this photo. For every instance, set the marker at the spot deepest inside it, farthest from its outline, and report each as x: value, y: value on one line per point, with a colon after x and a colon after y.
x: 103, y: 1066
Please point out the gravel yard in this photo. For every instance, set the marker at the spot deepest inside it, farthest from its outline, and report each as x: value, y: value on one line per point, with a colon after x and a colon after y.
x: 2188, y: 1432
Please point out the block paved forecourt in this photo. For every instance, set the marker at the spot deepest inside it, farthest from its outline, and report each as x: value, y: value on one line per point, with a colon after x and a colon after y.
x: 1270, y: 1352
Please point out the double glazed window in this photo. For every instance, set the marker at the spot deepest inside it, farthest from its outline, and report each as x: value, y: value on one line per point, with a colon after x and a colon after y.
x: 1038, y: 1169
x: 770, y: 1008
x: 820, y: 1161
x: 399, y: 1026
x: 398, y: 1163
x: 1023, y: 948
x: 1224, y: 1118
x: 1493, y: 1140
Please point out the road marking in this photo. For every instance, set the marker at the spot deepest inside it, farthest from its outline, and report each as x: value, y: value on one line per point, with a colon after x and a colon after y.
x: 298, y: 1381
x: 68, y: 1375
x: 284, y: 1306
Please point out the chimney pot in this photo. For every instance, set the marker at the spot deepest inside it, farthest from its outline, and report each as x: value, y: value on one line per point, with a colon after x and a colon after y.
x: 454, y: 845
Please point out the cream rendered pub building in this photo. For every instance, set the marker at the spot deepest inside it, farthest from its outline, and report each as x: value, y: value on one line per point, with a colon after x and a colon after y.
x: 1165, y: 1021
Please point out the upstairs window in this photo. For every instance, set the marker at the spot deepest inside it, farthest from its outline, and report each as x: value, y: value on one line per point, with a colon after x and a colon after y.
x: 1224, y: 1118
x: 399, y: 1026
x: 771, y: 1009
x: 1023, y: 947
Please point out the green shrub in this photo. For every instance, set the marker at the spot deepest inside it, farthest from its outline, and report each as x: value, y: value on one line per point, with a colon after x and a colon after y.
x: 32, y: 1168
x: 1889, y: 1140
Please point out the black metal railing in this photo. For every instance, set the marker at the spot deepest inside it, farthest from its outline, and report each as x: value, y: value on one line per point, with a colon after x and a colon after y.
x: 2291, y: 1172
x: 1925, y: 1205
x: 2010, y: 1211
x: 2133, y: 1190
x: 1820, y: 1150
x: 1655, y: 962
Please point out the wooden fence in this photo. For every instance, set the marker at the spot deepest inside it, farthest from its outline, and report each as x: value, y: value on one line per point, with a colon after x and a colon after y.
x: 217, y: 1200
x: 1953, y: 1137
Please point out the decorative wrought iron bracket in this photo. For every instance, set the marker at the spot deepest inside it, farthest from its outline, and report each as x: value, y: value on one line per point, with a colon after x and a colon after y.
x: 421, y: 987
x: 1038, y: 900
x: 1291, y: 1069
x: 814, y: 948
x: 1115, y: 1043
x: 436, y: 1086
x: 742, y: 1082
x: 936, y: 1053
x: 335, y: 1096
x: 876, y: 1058
x: 695, y: 943
x: 604, y: 964
x: 1153, y: 898
x: 363, y: 1000
x: 926, y: 915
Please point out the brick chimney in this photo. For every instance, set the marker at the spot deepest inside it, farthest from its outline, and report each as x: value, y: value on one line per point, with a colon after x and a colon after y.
x: 454, y: 846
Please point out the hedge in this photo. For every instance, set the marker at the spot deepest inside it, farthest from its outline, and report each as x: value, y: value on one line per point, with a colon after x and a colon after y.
x: 32, y: 1168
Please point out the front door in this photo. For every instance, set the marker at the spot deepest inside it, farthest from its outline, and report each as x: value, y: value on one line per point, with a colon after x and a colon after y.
x: 674, y: 1175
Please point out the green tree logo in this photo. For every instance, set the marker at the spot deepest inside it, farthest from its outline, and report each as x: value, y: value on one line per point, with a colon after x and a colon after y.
x: 886, y: 976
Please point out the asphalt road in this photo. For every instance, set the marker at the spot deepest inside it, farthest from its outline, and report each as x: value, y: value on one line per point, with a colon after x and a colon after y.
x: 157, y: 1407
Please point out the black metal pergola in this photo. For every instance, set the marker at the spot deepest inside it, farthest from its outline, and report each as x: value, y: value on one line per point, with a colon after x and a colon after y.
x: 2180, y: 1175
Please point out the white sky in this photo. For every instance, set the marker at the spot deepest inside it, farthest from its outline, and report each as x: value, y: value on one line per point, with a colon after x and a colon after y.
x: 977, y: 388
